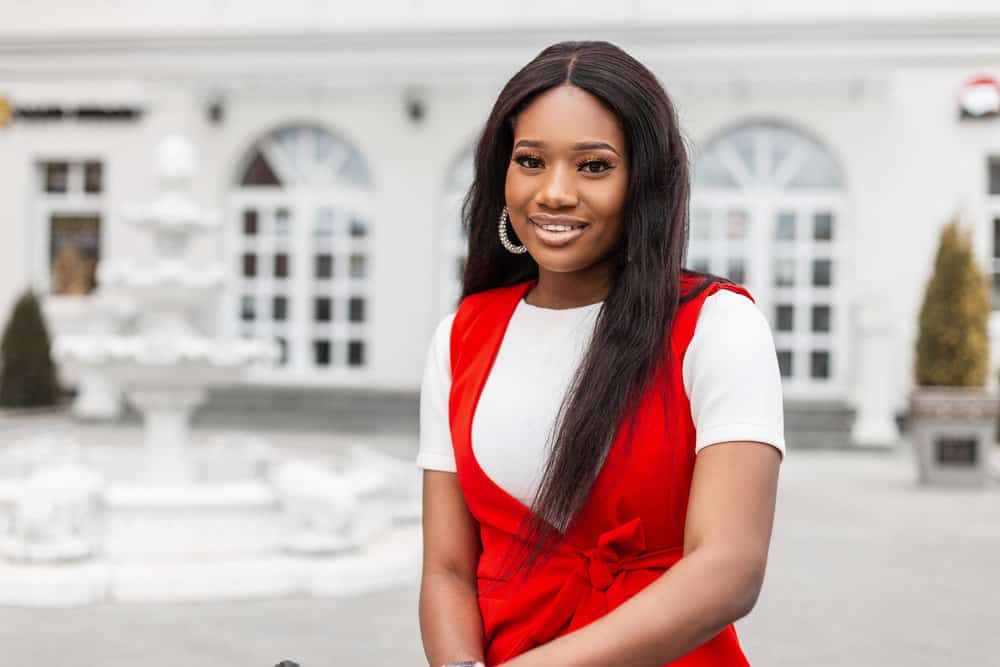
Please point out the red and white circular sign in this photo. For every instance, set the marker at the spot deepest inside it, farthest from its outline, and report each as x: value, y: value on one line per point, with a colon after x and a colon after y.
x: 980, y: 97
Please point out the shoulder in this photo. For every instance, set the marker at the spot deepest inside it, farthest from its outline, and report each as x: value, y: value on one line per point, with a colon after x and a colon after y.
x: 729, y: 319
x: 442, y: 332
x: 730, y: 327
x: 729, y: 306
x: 438, y: 365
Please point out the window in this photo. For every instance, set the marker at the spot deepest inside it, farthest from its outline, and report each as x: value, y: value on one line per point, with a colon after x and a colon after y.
x: 249, y: 265
x: 71, y: 211
x: 359, y: 228
x: 56, y: 177
x: 248, y: 308
x: 321, y: 352
x: 301, y: 207
x: 279, y: 308
x: 359, y: 266
x: 996, y: 261
x: 74, y: 246
x: 784, y: 272
x: 324, y: 266
x: 281, y: 265
x: 250, y: 222
x: 355, y: 353
x: 823, y: 226
x: 820, y: 319
x: 784, y: 227
x: 819, y: 364
x: 993, y: 175
x: 323, y: 309
x: 356, y: 308
x: 92, y: 173
x: 785, y: 317
x: 768, y: 210
x: 821, y: 273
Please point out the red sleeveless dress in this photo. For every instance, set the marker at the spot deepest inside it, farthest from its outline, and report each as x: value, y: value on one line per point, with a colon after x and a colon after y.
x: 632, y: 527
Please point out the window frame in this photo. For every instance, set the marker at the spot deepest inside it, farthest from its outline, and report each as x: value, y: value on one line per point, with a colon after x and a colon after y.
x: 75, y: 202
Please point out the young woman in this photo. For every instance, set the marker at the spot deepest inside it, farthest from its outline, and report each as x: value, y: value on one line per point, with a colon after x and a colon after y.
x: 601, y: 430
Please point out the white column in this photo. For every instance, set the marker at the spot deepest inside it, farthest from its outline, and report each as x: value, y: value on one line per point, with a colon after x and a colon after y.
x: 167, y: 418
x: 97, y: 397
x: 874, y: 424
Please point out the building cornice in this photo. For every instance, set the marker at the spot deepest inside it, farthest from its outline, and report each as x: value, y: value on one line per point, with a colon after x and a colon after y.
x: 695, y: 52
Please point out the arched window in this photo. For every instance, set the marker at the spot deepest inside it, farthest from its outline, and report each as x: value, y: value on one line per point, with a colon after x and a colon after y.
x: 304, y: 156
x: 768, y: 212
x: 454, y: 243
x: 300, y: 216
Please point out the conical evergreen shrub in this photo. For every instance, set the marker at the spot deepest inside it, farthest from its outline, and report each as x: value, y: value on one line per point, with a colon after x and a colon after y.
x: 952, y: 342
x: 27, y: 373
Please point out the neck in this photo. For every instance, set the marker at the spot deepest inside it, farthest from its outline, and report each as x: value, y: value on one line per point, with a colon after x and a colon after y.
x: 558, y: 289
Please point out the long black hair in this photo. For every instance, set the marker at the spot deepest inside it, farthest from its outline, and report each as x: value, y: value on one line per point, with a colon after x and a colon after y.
x: 630, y: 340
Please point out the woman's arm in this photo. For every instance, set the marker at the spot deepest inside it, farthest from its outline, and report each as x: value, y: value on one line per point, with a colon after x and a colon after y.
x: 450, y: 623
x: 728, y: 530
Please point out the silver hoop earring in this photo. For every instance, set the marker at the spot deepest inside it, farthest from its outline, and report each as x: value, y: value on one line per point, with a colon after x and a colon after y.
x: 516, y: 249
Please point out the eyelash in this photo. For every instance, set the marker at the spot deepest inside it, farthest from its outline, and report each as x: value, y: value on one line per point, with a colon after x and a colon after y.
x: 585, y: 161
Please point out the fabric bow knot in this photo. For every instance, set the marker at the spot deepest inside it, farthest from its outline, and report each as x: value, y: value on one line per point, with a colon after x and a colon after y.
x: 604, y: 560
x: 592, y: 581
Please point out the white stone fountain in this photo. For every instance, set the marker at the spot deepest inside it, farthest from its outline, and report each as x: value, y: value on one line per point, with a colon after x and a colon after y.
x: 175, y: 520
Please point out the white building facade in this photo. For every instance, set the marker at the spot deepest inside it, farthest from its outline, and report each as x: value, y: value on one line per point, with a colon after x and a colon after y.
x: 830, y: 146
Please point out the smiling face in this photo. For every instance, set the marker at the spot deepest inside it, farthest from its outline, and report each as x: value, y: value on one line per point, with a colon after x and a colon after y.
x: 568, y: 173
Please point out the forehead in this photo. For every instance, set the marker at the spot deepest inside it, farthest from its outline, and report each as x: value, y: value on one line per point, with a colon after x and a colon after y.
x: 566, y: 115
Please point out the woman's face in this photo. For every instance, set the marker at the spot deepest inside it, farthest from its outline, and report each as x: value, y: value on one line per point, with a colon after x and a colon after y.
x: 568, y: 169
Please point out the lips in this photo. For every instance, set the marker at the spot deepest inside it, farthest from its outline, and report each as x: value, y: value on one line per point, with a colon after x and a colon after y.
x: 557, y: 239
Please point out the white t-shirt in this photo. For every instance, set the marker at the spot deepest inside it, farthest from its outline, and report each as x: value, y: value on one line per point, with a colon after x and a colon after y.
x: 730, y: 373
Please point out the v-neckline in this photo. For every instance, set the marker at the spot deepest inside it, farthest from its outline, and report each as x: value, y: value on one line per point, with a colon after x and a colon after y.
x: 507, y: 315
x: 481, y: 385
x: 517, y: 507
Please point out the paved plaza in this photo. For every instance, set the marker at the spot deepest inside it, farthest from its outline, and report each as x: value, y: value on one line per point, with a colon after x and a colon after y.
x: 866, y: 570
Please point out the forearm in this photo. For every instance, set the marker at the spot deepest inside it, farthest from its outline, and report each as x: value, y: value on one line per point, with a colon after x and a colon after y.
x: 450, y: 623
x: 691, y: 603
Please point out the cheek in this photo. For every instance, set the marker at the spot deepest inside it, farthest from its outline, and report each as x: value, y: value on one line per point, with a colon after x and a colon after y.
x: 608, y: 199
x: 516, y: 189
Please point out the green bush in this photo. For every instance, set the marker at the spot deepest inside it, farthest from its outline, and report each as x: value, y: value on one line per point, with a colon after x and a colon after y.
x: 27, y: 373
x: 953, y: 343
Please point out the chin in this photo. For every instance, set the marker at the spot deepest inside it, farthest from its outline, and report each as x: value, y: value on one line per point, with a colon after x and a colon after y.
x: 561, y: 265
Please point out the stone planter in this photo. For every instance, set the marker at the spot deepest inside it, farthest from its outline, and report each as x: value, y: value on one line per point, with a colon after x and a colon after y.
x: 952, y: 431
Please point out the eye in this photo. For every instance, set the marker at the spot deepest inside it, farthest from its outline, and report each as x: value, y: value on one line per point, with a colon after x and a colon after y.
x: 594, y: 166
x: 528, y: 161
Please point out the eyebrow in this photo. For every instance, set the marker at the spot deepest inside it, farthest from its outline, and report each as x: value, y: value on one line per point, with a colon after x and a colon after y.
x: 585, y: 146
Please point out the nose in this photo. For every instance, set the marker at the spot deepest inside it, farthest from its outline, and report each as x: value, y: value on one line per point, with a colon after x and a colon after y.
x: 557, y: 190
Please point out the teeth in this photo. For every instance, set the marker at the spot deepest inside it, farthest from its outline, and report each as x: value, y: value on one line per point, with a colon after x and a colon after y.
x: 557, y: 228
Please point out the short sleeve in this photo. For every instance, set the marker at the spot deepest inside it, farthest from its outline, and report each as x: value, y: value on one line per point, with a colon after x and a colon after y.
x: 435, y: 451
x: 731, y: 375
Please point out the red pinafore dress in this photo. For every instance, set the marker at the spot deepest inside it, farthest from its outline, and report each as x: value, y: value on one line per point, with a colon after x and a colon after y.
x: 631, y: 529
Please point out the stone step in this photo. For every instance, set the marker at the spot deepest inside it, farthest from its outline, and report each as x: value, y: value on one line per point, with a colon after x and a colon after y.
x: 311, y: 408
x: 818, y: 424
x: 808, y: 424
